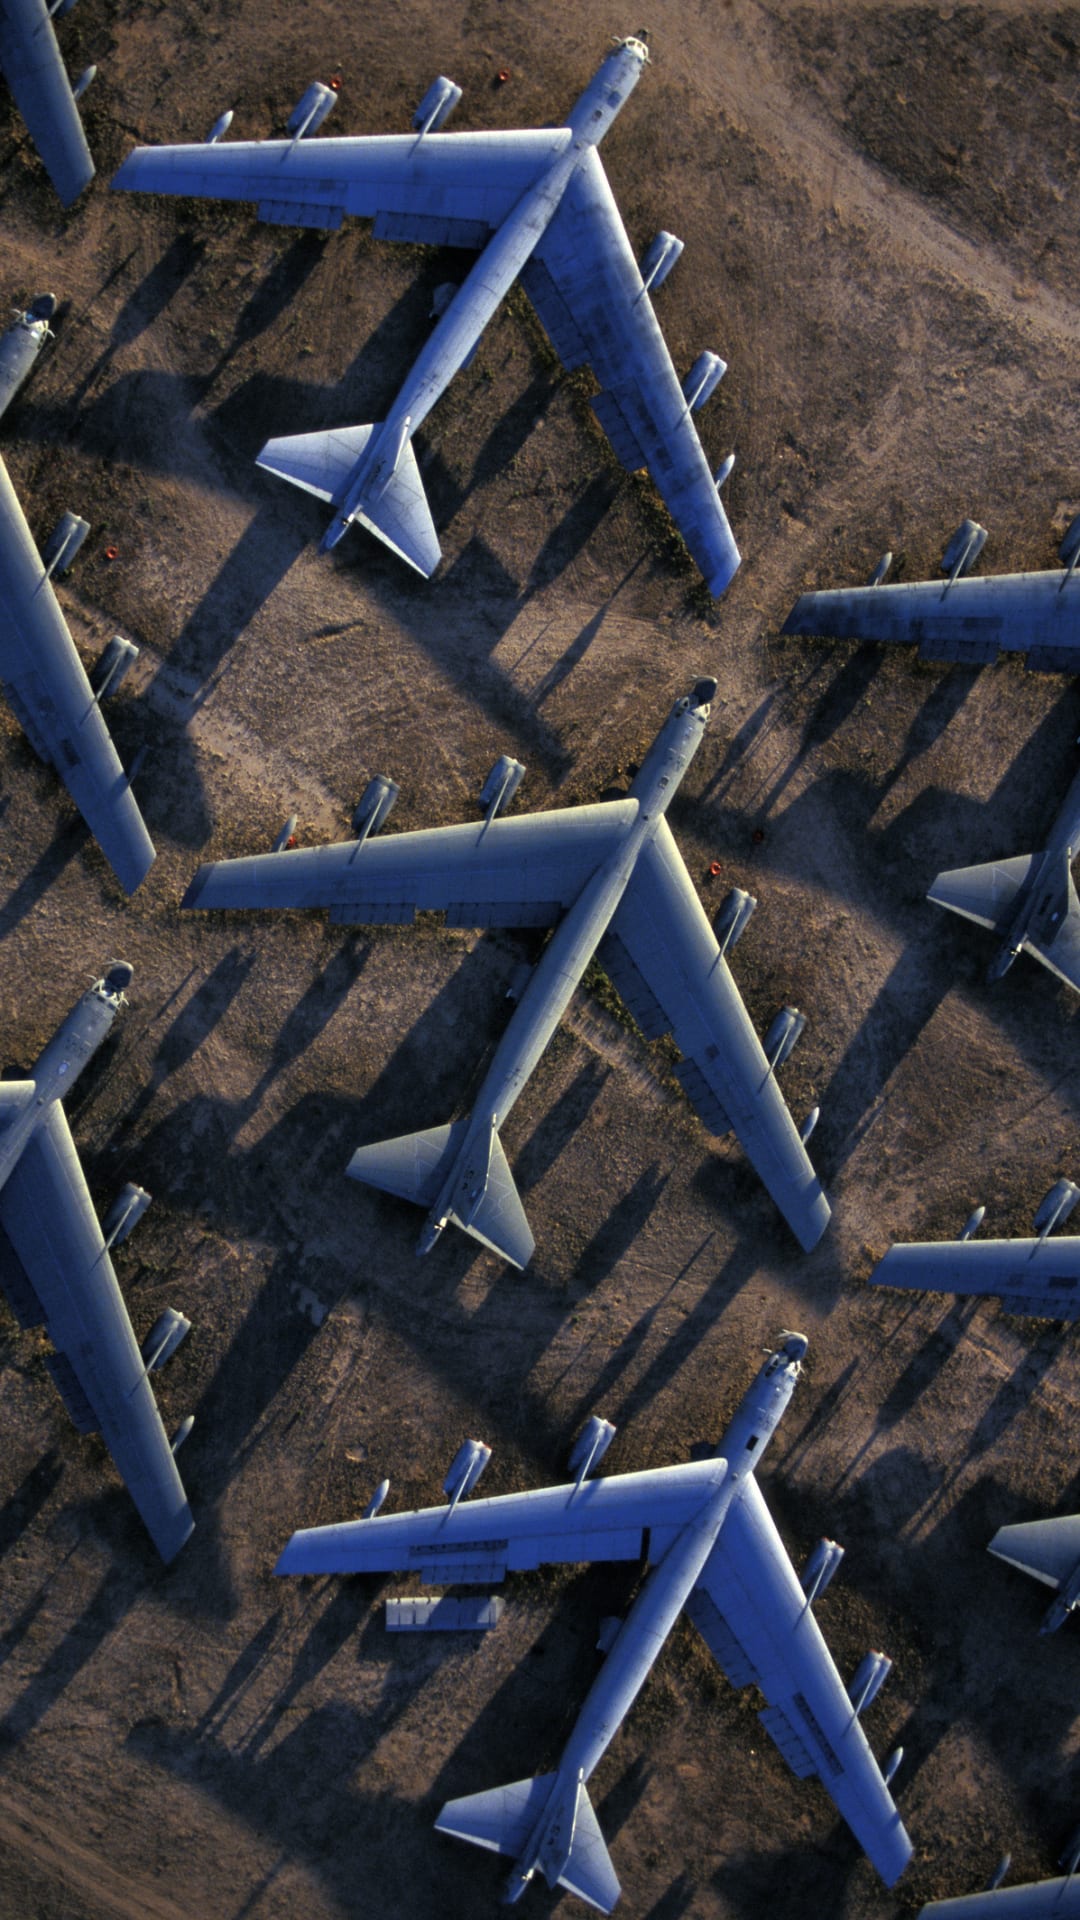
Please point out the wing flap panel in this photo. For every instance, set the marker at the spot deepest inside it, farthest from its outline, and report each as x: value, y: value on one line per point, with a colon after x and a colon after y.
x: 431, y: 230
x: 72, y: 1393
x: 702, y: 1098
x: 625, y: 443
x: 782, y: 1733
x: 718, y: 1637
x: 300, y: 213
x: 555, y: 316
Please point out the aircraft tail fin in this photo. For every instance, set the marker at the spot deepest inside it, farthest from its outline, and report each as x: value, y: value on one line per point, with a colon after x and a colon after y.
x: 320, y: 463
x: 560, y: 1836
x: 985, y: 893
x: 416, y: 1166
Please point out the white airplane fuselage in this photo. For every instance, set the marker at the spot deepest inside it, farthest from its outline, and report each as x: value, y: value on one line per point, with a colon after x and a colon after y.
x: 566, y: 957
x: 486, y: 286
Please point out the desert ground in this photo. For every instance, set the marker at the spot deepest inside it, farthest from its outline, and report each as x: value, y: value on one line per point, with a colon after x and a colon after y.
x: 875, y: 204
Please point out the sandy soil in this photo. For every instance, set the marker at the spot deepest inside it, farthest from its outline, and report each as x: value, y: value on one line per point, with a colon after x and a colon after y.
x: 875, y: 203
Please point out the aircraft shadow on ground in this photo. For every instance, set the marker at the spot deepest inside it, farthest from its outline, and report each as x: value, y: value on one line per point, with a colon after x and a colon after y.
x: 892, y: 866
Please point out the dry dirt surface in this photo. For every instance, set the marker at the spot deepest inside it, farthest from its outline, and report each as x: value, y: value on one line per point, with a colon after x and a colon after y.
x: 878, y: 204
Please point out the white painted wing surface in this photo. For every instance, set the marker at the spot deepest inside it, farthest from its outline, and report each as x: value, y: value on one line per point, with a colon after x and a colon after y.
x: 35, y: 72
x: 1031, y: 1276
x: 585, y: 284
x: 320, y: 462
x: 663, y: 958
x: 49, y: 693
x: 481, y: 1540
x: 751, y: 1612
x: 523, y: 872
x: 452, y: 189
x: 48, y: 1216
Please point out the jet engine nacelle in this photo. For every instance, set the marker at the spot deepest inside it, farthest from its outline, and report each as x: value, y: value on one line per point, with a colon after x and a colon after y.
x: 868, y: 1679
x: 889, y: 1770
x: 877, y: 578
x: 501, y: 785
x: 590, y: 1446
x: 972, y: 1224
x: 125, y: 1213
x: 166, y: 1334
x: 1057, y: 1206
x: 809, y: 1124
x: 375, y: 803
x: 287, y: 833
x: 436, y: 106
x: 733, y: 918
x: 310, y: 110
x: 703, y: 378
x: 61, y: 7
x: 466, y: 1467
x: 182, y: 1433
x: 85, y: 79
x: 963, y: 549
x: 660, y: 256
x: 221, y: 125
x: 820, y: 1567
x: 724, y: 471
x: 111, y: 670
x: 376, y: 1500
x: 782, y: 1035
x: 64, y: 542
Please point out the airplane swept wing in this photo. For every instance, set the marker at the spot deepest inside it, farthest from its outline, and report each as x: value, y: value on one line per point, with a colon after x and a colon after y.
x: 971, y: 619
x: 1034, y: 1276
x: 585, y: 284
x: 753, y: 1615
x: 522, y: 872
x: 450, y: 191
x: 32, y: 66
x: 664, y: 960
x: 66, y: 1282
x: 50, y: 695
x: 1059, y: 1898
x: 480, y: 1541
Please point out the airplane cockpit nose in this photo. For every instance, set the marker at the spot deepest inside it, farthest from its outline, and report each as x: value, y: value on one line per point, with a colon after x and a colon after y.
x: 118, y: 976
x: 704, y: 693
x: 794, y: 1346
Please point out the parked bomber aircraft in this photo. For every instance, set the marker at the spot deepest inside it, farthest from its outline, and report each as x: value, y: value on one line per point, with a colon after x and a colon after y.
x: 1050, y: 1551
x: 56, y: 1272
x: 21, y: 344
x: 966, y: 619
x: 1030, y: 901
x: 610, y: 879
x: 715, y: 1551
x: 32, y: 66
x: 48, y: 691
x: 533, y: 205
x: 1039, y: 1277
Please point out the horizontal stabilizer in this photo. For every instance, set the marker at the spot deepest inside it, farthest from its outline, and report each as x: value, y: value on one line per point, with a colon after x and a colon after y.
x: 502, y: 1819
x: 1047, y: 1549
x: 1062, y: 953
x: 983, y: 894
x: 412, y: 1166
x: 401, y: 518
x: 499, y: 1220
x: 319, y: 462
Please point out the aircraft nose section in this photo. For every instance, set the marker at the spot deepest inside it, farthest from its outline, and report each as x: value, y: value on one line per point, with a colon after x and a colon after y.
x: 704, y: 693
x: 794, y: 1347
x: 118, y: 976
